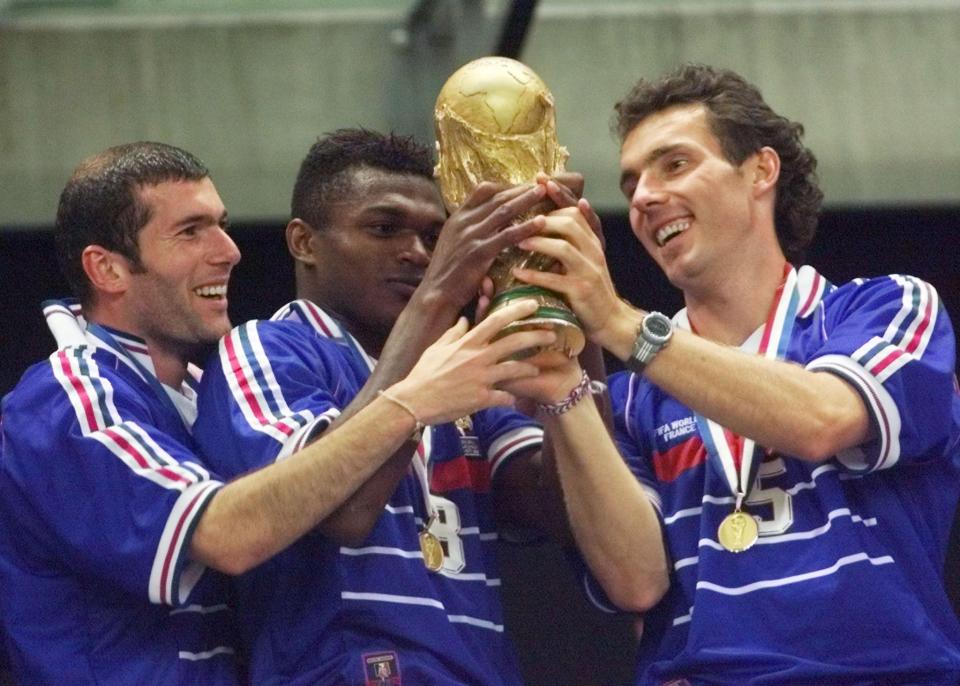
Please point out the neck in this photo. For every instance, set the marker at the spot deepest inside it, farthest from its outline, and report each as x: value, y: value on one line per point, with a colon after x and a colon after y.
x: 734, y: 307
x: 171, y: 369
x: 367, y: 336
x: 371, y: 343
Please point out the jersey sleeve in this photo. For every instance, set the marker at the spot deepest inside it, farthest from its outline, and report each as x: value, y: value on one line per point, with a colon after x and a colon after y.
x: 505, y: 433
x: 100, y: 484
x: 271, y: 387
x: 891, y: 339
x: 627, y: 394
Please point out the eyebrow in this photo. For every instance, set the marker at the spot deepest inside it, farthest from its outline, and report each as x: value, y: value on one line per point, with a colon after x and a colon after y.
x: 649, y: 159
x: 201, y: 217
x: 384, y: 208
x: 392, y: 211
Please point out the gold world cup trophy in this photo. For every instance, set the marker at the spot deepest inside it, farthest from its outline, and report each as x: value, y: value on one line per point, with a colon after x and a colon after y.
x: 495, y: 121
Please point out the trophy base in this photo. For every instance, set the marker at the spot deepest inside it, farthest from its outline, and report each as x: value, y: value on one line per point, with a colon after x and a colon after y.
x: 552, y: 314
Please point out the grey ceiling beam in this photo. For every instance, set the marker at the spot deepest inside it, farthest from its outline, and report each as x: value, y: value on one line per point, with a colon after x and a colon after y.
x: 439, y: 36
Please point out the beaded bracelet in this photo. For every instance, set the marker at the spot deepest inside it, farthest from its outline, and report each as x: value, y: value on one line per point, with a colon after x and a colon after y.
x: 584, y: 388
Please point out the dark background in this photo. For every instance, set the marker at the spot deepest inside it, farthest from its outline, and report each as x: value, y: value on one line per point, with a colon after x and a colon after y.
x: 851, y: 242
x: 561, y: 639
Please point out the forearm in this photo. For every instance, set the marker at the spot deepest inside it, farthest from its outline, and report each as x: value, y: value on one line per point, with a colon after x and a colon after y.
x: 352, y: 522
x: 417, y: 327
x: 614, y: 524
x: 258, y: 515
x: 592, y: 362
x: 780, y: 405
x: 263, y: 512
x: 551, y: 510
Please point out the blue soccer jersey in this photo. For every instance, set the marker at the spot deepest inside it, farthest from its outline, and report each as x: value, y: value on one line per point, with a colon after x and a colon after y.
x: 100, y: 491
x: 323, y: 613
x: 844, y: 584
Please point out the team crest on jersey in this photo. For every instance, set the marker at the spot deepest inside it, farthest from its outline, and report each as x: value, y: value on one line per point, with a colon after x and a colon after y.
x: 381, y: 669
x: 469, y: 443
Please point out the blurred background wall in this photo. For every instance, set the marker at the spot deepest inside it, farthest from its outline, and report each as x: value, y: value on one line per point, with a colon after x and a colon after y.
x: 247, y: 85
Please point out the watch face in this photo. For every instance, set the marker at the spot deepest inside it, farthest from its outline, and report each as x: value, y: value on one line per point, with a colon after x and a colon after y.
x: 659, y: 327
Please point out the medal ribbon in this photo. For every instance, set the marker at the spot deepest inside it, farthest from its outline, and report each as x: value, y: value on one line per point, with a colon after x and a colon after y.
x: 733, y: 456
x: 420, y: 468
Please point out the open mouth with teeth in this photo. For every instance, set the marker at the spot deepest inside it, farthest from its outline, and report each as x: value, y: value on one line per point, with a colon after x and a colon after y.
x: 212, y: 292
x: 671, y: 231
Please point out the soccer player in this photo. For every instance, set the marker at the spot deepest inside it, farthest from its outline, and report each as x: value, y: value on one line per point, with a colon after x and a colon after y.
x: 111, y: 527
x: 400, y: 583
x: 789, y: 460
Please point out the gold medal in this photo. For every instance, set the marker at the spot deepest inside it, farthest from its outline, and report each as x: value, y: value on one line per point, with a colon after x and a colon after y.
x: 738, y: 531
x: 432, y: 551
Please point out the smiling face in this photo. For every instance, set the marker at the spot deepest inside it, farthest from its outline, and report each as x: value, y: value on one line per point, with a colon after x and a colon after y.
x: 693, y: 211
x: 177, y: 300
x: 365, y: 264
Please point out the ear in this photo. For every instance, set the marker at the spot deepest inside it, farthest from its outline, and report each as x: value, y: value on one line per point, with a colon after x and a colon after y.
x: 766, y: 170
x: 300, y: 241
x: 108, y: 271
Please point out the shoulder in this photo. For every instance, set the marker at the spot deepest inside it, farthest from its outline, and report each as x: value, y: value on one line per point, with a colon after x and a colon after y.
x: 264, y: 340
x: 75, y: 372
x: 901, y: 290
x: 900, y: 310
x: 274, y: 331
x: 37, y: 390
x: 78, y: 392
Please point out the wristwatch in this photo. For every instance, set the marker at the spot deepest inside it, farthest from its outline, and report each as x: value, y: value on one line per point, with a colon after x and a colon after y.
x: 654, y: 333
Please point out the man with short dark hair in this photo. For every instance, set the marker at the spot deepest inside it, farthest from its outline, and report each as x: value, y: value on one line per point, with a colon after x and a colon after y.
x: 400, y: 583
x: 108, y: 518
x: 789, y: 446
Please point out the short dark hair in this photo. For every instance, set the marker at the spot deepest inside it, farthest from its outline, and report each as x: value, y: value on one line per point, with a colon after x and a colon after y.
x: 100, y: 204
x: 327, y: 170
x: 743, y: 123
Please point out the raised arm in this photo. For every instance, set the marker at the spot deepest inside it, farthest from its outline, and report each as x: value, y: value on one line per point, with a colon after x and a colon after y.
x: 613, y: 522
x: 254, y: 517
x: 779, y: 404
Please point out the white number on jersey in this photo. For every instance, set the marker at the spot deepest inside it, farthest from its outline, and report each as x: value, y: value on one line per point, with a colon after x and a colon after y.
x: 447, y: 529
x: 779, y: 500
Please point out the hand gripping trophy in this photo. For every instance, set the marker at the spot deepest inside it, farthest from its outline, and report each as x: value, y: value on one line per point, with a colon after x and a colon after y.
x: 495, y: 121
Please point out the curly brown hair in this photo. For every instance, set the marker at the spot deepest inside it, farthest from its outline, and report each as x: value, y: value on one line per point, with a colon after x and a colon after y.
x: 743, y: 123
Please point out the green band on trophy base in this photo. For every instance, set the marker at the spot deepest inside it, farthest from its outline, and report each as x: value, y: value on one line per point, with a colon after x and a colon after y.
x: 551, y: 303
x: 551, y: 314
x: 555, y: 313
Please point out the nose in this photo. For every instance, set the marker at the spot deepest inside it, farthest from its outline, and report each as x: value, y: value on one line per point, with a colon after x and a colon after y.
x: 646, y: 194
x: 415, y: 251
x: 224, y: 251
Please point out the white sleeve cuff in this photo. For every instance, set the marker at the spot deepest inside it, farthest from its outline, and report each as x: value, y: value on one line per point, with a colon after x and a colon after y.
x: 883, y: 411
x: 171, y: 578
x: 513, y: 443
x: 306, y: 433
